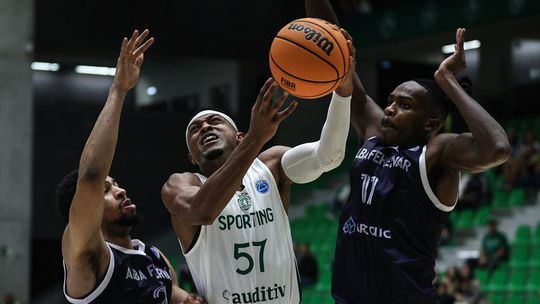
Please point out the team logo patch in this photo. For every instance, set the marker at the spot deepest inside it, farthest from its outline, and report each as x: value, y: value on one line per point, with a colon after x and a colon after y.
x: 244, y: 201
x: 262, y: 186
x: 350, y: 226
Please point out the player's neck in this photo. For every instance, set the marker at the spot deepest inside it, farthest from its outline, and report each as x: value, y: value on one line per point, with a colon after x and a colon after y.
x: 120, y: 239
x: 208, y: 168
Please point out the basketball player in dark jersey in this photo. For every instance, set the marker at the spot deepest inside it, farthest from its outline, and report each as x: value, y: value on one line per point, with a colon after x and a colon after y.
x: 404, y: 181
x: 102, y: 264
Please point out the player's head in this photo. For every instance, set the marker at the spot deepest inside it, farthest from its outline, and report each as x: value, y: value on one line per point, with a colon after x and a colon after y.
x: 211, y: 135
x: 492, y: 226
x: 119, y: 210
x: 416, y: 111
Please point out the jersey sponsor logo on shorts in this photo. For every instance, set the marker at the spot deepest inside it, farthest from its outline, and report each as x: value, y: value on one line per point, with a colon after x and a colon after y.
x: 244, y: 201
x: 258, y: 295
x: 262, y: 186
x: 246, y: 221
x: 351, y: 227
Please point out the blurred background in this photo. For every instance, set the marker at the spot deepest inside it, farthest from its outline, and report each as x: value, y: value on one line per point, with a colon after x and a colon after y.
x: 56, y: 60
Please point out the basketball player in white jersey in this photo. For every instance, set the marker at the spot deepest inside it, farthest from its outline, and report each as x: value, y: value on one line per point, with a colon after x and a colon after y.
x: 231, y: 219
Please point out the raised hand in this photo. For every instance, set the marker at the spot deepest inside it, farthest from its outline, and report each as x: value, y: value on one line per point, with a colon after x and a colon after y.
x: 456, y: 64
x: 346, y: 87
x: 265, y: 116
x: 130, y: 60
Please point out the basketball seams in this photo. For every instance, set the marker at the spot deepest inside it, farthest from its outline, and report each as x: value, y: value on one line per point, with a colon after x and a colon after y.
x: 336, y: 82
x: 307, y: 61
x: 297, y: 77
x: 312, y: 52
x: 333, y: 37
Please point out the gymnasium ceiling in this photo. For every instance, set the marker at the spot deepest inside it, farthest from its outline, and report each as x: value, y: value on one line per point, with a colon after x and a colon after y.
x: 215, y: 28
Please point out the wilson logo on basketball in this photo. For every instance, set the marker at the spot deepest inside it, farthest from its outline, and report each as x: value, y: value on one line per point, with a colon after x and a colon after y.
x: 310, y: 34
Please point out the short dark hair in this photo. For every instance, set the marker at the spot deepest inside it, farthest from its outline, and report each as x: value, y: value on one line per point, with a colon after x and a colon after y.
x: 65, y: 191
x: 442, y: 103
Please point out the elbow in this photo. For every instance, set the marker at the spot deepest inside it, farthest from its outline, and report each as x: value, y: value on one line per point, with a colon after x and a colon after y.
x: 500, y: 153
x: 333, y: 160
x: 191, y: 215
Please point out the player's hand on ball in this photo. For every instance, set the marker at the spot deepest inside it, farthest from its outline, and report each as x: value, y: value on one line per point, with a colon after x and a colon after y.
x: 130, y: 60
x: 346, y: 87
x: 265, y: 115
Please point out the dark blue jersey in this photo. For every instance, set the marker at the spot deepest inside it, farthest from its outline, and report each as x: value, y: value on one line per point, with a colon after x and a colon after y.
x: 138, y: 275
x: 389, y: 229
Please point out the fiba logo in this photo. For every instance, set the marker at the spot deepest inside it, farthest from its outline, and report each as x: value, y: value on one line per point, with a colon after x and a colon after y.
x: 350, y: 226
x: 262, y: 186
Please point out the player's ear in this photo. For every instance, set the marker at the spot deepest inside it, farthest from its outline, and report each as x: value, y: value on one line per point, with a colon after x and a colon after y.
x: 432, y: 124
x: 240, y: 136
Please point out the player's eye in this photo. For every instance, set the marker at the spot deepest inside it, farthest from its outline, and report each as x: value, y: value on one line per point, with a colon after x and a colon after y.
x: 404, y: 105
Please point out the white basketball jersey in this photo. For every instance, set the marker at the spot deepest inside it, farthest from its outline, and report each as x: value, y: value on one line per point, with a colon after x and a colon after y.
x: 246, y: 255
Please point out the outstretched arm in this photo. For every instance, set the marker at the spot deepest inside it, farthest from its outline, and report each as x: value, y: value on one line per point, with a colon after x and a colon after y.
x: 306, y: 162
x: 366, y: 115
x: 191, y: 203
x: 83, y: 241
x: 487, y: 144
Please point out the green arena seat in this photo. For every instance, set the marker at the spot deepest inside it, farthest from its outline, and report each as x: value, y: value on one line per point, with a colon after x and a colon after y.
x: 537, y: 234
x: 513, y: 299
x: 534, y: 261
x: 500, y: 199
x: 523, y: 235
x: 497, y: 282
x: 533, y: 299
x: 482, y: 216
x: 519, y: 257
x: 497, y: 299
x: 466, y: 220
x: 517, y: 283
x: 517, y: 197
x: 482, y: 276
x: 534, y: 282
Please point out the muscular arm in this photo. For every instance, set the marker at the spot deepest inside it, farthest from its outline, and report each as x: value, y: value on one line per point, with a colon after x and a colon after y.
x: 178, y: 295
x: 366, y: 115
x: 83, y: 246
x: 195, y: 204
x: 306, y: 162
x: 487, y: 144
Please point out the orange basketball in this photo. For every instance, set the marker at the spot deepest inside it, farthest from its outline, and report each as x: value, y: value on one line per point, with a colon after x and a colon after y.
x: 309, y: 57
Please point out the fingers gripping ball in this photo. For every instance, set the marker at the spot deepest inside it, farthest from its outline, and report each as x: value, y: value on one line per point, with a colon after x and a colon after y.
x: 309, y: 57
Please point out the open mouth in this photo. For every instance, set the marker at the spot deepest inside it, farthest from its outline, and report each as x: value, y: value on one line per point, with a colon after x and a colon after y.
x: 208, y: 138
x: 128, y: 204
